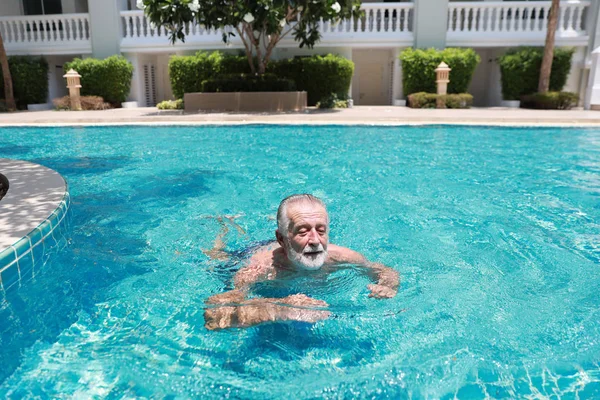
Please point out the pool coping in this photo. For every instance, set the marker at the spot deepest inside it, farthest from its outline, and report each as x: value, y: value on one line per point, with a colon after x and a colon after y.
x: 359, y: 115
x: 36, y: 203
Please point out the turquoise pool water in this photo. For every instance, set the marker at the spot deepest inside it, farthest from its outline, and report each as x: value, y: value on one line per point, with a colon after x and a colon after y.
x: 495, y: 231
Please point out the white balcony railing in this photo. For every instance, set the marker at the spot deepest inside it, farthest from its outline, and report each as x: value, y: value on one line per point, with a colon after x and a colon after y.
x: 515, y: 22
x: 46, y: 34
x: 383, y: 24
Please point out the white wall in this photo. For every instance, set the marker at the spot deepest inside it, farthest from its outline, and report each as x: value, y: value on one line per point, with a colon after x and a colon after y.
x: 57, y: 85
x: 10, y: 7
x: 373, y: 66
x: 485, y: 86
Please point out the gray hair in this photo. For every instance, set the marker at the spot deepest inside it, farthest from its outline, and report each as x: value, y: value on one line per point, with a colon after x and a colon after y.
x: 283, y: 221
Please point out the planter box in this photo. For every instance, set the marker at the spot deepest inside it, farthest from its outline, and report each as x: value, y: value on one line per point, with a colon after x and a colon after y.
x: 400, y: 103
x: 129, y: 104
x: 39, y: 107
x: 511, y: 103
x: 245, y: 101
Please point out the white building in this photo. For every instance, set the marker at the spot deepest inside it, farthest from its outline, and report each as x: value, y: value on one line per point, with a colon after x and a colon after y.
x: 63, y: 29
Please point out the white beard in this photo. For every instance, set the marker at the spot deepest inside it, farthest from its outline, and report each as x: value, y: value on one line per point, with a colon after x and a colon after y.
x: 305, y: 260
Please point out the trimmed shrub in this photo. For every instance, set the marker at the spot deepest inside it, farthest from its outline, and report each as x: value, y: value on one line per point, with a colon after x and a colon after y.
x: 171, y: 105
x: 187, y: 73
x: 248, y: 83
x: 550, y: 101
x: 430, y: 100
x: 422, y: 100
x: 87, y: 103
x: 332, y: 101
x: 109, y: 78
x: 520, y: 69
x: 29, y: 78
x: 231, y: 64
x: 418, y: 69
x: 460, y: 100
x: 319, y: 76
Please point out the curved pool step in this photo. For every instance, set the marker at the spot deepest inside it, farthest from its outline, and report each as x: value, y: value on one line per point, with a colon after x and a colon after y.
x: 32, y: 210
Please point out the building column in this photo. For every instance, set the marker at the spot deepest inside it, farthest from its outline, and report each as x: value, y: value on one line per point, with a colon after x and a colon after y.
x: 430, y: 23
x: 592, y: 58
x: 105, y: 26
x: 397, y: 92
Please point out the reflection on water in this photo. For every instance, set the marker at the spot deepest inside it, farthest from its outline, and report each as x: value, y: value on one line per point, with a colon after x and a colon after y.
x: 494, y: 231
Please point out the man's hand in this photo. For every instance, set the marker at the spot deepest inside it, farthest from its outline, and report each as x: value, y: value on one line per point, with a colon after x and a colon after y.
x: 300, y: 309
x: 256, y: 311
x: 387, y: 284
x: 381, y: 292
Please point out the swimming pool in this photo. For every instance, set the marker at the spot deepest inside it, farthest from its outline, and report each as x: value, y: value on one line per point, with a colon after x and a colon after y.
x: 495, y: 232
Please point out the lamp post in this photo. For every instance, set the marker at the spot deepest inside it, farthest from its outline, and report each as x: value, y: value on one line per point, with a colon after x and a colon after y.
x: 73, y: 83
x: 442, y: 73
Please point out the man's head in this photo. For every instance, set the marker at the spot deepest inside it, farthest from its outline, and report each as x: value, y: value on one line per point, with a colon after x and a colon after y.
x: 303, y: 230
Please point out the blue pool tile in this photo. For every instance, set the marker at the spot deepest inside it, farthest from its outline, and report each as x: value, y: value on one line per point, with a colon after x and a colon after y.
x: 38, y: 254
x: 10, y: 276
x: 35, y: 236
x: 45, y: 227
x: 22, y: 246
x: 6, y: 257
x: 26, y: 267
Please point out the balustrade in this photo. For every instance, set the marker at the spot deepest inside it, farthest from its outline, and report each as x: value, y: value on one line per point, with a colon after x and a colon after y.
x: 516, y: 16
x: 60, y: 29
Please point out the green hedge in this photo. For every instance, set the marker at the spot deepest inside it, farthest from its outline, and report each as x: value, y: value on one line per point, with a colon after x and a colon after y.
x: 520, y: 69
x: 418, y: 69
x: 188, y: 72
x: 550, y: 101
x: 430, y: 100
x: 109, y: 78
x: 248, y: 83
x: 319, y: 76
x: 30, y: 80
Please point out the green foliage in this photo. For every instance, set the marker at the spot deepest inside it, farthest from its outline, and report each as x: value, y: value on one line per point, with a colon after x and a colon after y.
x: 550, y: 100
x: 332, y: 101
x: 422, y: 100
x: 171, y: 105
x: 188, y: 72
x: 29, y: 78
x: 431, y: 100
x: 248, y: 83
x: 232, y: 64
x: 520, y: 68
x: 109, y: 78
x: 460, y: 100
x: 87, y: 103
x: 319, y: 76
x: 418, y: 69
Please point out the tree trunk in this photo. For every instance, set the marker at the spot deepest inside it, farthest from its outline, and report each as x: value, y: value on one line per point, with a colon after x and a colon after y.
x: 546, y: 69
x: 8, y: 87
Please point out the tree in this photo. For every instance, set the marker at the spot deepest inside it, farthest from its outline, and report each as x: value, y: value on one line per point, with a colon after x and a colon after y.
x: 544, y: 82
x: 260, y: 24
x: 8, y: 87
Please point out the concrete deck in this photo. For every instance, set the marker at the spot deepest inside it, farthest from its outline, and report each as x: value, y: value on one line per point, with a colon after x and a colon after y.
x: 383, y: 115
x: 34, y: 193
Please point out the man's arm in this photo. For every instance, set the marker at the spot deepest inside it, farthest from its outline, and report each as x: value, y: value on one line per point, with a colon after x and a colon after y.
x: 387, y: 278
x: 232, y: 309
x: 257, y: 311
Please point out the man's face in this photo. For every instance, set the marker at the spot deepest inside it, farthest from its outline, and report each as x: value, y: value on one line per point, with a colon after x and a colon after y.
x: 307, y: 236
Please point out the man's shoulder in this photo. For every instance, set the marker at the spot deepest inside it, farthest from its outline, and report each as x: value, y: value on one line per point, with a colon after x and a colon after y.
x: 344, y: 255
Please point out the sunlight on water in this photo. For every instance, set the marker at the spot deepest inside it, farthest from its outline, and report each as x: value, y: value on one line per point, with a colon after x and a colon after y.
x: 495, y: 232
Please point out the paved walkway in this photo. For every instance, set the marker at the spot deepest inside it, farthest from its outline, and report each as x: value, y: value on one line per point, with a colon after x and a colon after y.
x: 356, y: 115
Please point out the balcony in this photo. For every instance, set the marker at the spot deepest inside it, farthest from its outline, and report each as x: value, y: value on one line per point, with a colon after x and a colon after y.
x: 46, y: 34
x: 489, y: 24
x: 384, y: 25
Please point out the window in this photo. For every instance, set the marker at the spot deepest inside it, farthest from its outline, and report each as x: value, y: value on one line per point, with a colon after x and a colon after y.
x: 42, y: 7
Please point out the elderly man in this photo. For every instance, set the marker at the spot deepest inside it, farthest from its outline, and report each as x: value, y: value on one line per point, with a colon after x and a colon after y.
x: 302, y: 248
